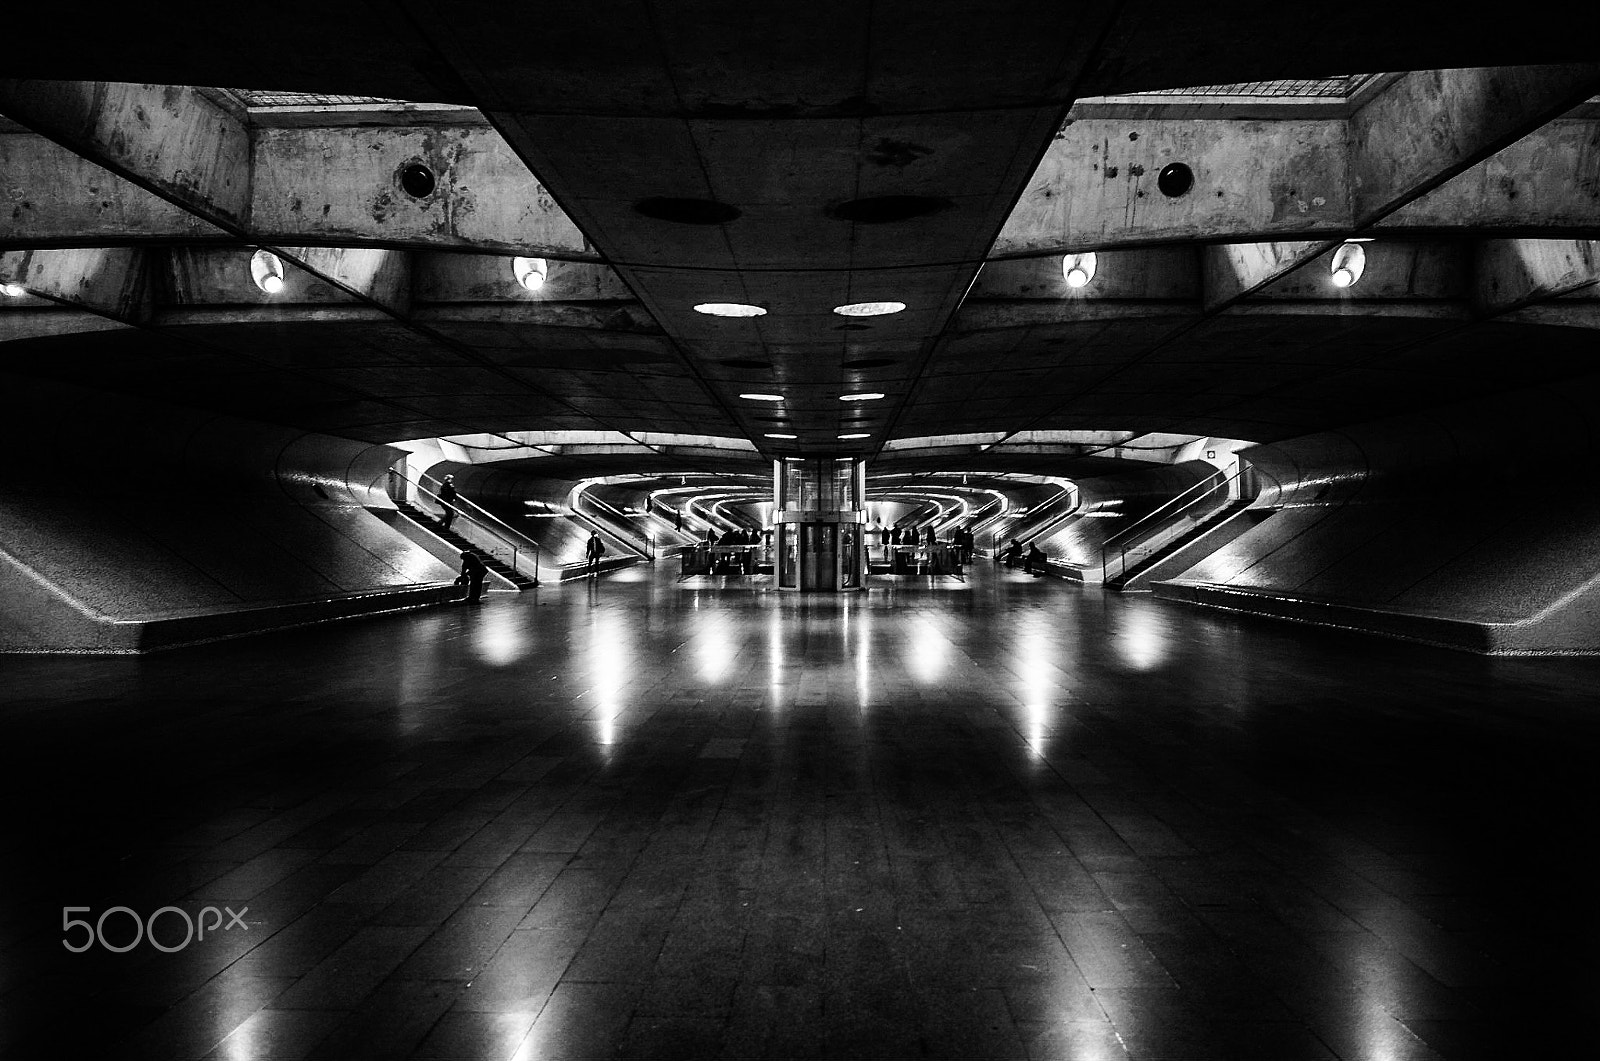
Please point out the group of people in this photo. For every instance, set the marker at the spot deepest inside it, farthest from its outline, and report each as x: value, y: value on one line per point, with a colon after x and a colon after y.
x: 1034, y: 563
x: 961, y: 539
x: 734, y: 537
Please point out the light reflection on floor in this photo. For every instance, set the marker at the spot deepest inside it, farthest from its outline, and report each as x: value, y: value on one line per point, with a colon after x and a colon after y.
x: 1011, y: 817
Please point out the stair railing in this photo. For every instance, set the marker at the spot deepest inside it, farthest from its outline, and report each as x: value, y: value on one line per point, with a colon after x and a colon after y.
x: 647, y: 552
x: 1131, y: 539
x: 516, y: 547
x: 1017, y: 520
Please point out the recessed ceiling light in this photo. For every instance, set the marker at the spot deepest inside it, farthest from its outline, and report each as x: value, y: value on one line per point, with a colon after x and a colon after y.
x: 730, y: 309
x: 869, y: 309
x: 775, y: 434
x: 871, y: 396
x: 857, y: 435
x: 763, y: 397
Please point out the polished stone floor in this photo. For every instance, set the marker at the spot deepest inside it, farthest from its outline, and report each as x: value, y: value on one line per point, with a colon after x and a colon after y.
x: 1015, y: 818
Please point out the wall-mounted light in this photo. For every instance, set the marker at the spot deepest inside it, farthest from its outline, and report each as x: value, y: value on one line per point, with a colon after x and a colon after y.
x: 1349, y: 261
x: 531, y: 273
x: 1078, y: 269
x: 267, y: 271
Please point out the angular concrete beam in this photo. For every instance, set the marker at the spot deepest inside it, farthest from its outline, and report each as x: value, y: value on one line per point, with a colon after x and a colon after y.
x: 1543, y: 185
x: 1270, y: 180
x: 341, y: 186
x: 50, y: 197
x: 111, y: 282
x: 1513, y: 273
x: 1097, y: 185
x: 303, y: 186
x: 1233, y: 271
x: 373, y: 275
x: 1429, y: 125
x: 178, y: 143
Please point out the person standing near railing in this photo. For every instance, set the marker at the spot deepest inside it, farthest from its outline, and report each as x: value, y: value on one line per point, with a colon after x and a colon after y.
x: 447, y: 497
x: 592, y: 554
x: 472, y: 574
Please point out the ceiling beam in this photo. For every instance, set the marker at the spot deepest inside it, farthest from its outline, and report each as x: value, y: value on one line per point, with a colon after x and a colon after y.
x: 1430, y: 125
x: 300, y: 186
x: 110, y: 282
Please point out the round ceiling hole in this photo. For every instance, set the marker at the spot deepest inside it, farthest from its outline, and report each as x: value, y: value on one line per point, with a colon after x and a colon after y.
x: 882, y: 209
x: 687, y: 211
x: 1175, y: 179
x: 870, y: 362
x: 736, y: 362
x: 417, y: 180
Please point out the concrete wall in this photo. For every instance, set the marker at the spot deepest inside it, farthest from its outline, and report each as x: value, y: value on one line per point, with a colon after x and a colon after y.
x: 1475, y: 525
x: 127, y: 525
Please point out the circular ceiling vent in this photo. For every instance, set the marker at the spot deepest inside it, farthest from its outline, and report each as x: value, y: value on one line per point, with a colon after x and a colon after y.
x: 416, y: 180
x: 870, y: 362
x: 736, y: 362
x: 1175, y: 179
x: 881, y: 209
x: 687, y: 211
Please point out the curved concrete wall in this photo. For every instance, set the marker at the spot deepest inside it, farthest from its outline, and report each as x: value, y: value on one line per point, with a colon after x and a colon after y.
x: 151, y: 525
x: 1476, y: 526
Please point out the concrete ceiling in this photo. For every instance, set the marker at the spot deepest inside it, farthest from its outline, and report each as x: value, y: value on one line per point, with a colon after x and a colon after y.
x: 944, y: 157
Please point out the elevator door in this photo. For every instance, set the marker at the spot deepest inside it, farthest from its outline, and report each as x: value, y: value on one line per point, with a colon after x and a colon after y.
x: 819, y: 556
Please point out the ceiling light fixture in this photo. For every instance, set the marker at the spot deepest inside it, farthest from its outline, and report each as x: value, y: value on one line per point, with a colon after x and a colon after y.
x: 856, y: 435
x: 12, y: 290
x: 869, y: 309
x: 1349, y: 262
x: 775, y: 434
x: 266, y: 269
x: 870, y: 396
x: 531, y: 273
x: 730, y: 309
x: 763, y: 397
x: 1078, y: 269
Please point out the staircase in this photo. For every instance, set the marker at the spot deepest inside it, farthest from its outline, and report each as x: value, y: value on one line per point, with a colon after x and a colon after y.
x: 436, y: 526
x: 1139, y: 561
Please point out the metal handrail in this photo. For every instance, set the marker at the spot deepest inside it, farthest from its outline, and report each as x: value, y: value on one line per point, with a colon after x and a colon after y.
x: 1207, y: 484
x: 485, y: 514
x: 1210, y: 487
x: 647, y: 553
x: 482, y: 519
x: 1021, y: 518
